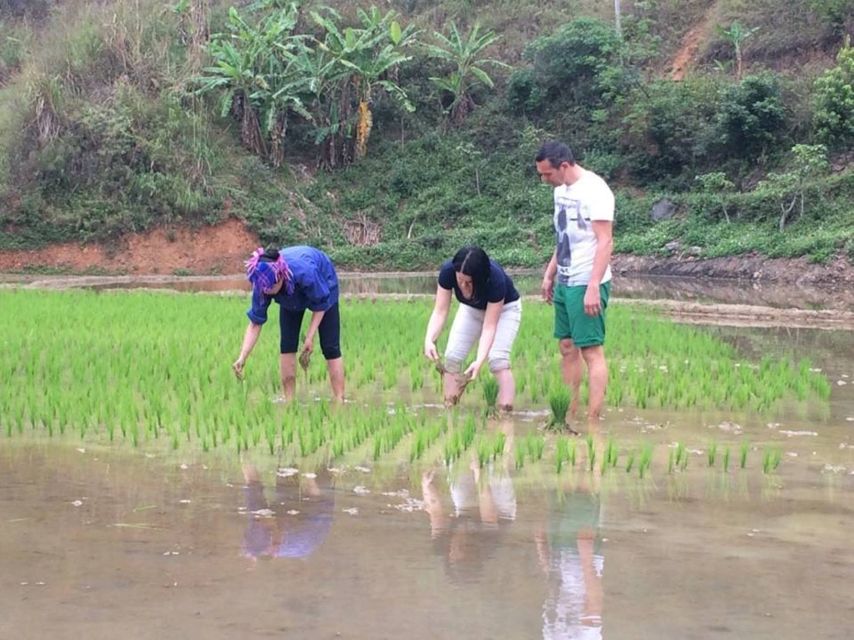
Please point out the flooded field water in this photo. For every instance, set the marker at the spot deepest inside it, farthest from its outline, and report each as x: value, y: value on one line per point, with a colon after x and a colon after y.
x: 104, y: 542
x: 780, y: 296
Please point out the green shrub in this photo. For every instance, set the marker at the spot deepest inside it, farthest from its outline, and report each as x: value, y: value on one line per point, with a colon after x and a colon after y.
x: 752, y: 118
x: 669, y: 126
x: 579, y: 63
x: 834, y: 102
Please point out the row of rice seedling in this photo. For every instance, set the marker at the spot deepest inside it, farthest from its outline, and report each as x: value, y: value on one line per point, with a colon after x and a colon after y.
x: 568, y: 450
x: 532, y: 447
x: 424, y: 438
x: 460, y: 439
x: 490, y: 448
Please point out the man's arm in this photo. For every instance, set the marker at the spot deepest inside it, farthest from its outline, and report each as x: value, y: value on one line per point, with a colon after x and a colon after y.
x: 548, y: 286
x: 601, y: 259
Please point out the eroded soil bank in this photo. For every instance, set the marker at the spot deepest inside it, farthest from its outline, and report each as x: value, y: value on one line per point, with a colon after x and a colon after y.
x: 221, y: 249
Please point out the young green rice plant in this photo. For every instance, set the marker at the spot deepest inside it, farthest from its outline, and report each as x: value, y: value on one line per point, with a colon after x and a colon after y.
x: 559, y: 400
x: 424, y: 439
x: 609, y: 456
x: 489, y: 449
x: 745, y: 448
x: 490, y: 394
x: 771, y: 458
x: 591, y: 453
x: 681, y: 456
x: 726, y: 460
x: 419, y: 444
x: 564, y: 453
x: 460, y: 440
x: 630, y: 462
x: 468, y: 432
x: 536, y: 445
x: 776, y: 458
x: 416, y: 377
x: 520, y: 451
x: 645, y: 459
x: 671, y: 461
x: 712, y: 453
x: 612, y: 453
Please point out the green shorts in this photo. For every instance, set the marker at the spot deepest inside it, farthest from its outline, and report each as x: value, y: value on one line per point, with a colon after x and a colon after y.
x: 570, y: 320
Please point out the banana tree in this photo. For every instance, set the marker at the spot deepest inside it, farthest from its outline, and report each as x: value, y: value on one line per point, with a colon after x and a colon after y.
x: 465, y: 54
x: 736, y: 34
x: 368, y: 56
x: 234, y: 71
x: 323, y: 76
x: 253, y: 70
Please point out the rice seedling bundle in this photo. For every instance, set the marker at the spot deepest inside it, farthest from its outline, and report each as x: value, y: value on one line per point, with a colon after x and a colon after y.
x: 559, y: 400
x: 490, y: 394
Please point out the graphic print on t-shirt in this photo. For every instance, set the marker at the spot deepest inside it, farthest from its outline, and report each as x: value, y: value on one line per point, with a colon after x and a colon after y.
x: 576, y: 208
x: 570, y: 211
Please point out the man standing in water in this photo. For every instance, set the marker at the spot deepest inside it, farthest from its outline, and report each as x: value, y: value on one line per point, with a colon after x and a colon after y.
x: 583, y: 220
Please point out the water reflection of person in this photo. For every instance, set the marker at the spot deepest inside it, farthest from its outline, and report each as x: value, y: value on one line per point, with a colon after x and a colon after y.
x: 484, y: 504
x: 570, y: 555
x: 283, y: 535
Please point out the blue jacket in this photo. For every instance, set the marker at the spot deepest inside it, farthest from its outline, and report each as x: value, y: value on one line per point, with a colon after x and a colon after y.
x: 315, y: 284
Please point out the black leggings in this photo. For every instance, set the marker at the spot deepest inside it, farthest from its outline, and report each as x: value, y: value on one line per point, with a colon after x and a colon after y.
x: 329, y: 330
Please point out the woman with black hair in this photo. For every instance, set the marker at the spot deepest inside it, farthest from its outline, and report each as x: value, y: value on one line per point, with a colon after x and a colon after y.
x: 489, y: 314
x: 298, y: 278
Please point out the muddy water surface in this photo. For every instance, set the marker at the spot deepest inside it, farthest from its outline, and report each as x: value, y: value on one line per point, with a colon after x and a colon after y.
x: 105, y: 542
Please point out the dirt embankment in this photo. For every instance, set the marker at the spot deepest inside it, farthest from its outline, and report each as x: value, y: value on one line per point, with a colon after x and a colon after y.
x: 222, y: 248
x: 216, y: 249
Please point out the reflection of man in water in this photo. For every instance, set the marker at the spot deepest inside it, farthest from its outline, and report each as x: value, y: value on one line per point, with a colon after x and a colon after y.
x: 283, y: 535
x: 570, y: 554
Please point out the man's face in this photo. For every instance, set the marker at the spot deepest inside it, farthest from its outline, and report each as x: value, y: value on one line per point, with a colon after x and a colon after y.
x: 555, y: 176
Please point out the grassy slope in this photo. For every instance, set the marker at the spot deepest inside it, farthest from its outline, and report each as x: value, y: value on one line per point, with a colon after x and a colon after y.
x: 123, y: 74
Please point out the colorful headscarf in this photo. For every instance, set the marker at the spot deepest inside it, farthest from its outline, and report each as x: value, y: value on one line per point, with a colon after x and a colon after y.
x: 264, y: 274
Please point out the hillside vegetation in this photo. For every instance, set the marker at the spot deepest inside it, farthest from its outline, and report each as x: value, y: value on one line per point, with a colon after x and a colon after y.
x: 389, y: 135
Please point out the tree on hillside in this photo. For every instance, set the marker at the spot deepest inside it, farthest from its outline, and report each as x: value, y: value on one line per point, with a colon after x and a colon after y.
x: 465, y: 53
x: 735, y: 35
x: 248, y: 64
x: 577, y: 66
x: 791, y: 187
x: 719, y: 187
x: 751, y: 117
x: 367, y: 56
x: 834, y: 101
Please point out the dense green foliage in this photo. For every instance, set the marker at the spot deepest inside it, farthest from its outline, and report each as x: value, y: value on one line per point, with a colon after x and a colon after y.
x: 391, y: 137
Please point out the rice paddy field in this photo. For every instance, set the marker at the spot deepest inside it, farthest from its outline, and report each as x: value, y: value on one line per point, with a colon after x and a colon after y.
x: 144, y: 490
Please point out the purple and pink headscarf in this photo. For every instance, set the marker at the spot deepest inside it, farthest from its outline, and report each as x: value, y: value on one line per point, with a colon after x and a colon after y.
x: 264, y: 274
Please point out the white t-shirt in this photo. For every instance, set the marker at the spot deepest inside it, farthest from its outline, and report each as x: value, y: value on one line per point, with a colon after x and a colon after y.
x: 587, y: 199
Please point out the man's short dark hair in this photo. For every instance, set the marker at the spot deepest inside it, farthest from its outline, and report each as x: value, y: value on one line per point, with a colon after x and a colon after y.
x: 556, y: 153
